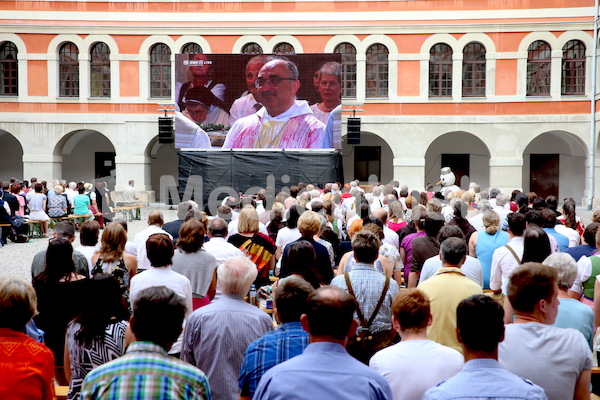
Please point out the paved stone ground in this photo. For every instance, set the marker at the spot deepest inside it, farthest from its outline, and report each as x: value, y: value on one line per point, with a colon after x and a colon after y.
x: 16, y: 258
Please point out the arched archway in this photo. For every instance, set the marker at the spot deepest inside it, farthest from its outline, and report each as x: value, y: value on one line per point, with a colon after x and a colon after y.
x: 86, y: 155
x: 554, y: 164
x: 465, y: 153
x: 372, y: 156
x: 11, y: 157
x: 163, y: 161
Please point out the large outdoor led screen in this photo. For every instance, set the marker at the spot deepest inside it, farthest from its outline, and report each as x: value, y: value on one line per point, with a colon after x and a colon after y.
x: 244, y: 101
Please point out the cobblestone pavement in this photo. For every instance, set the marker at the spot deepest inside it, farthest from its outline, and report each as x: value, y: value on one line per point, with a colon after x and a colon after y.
x: 16, y: 258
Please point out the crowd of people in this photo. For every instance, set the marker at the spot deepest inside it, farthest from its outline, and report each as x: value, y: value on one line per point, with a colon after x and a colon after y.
x: 40, y: 202
x: 380, y: 293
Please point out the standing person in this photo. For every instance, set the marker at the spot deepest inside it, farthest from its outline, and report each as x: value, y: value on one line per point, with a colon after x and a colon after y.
x: 256, y: 245
x: 158, y: 315
x: 416, y: 363
x: 483, y: 243
x: 218, y: 245
x: 325, y: 370
x: 62, y: 294
x: 62, y: 230
x: 155, y: 224
x: 425, y: 247
x: 532, y: 347
x: 37, y: 208
x: 479, y: 328
x: 88, y: 237
x: 194, y: 262
x: 309, y: 225
x: 173, y: 227
x: 27, y: 366
x: 103, y: 201
x: 446, y: 290
x: 160, y: 250
x: 287, y: 341
x: 217, y: 335
x: 571, y: 313
x: 374, y: 294
x: 508, y: 257
x: 96, y: 336
x: 112, y: 258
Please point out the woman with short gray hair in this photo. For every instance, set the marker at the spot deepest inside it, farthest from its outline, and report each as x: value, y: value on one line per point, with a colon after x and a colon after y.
x: 571, y: 312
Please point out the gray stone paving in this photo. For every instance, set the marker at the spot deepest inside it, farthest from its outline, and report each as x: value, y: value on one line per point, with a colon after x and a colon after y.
x: 16, y: 258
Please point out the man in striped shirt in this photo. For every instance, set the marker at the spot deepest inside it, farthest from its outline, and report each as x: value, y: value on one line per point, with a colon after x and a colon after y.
x: 146, y: 371
x: 286, y: 342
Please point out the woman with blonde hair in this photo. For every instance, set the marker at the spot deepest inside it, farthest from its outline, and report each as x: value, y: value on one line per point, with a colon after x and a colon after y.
x: 259, y: 247
x: 112, y: 259
x: 482, y: 244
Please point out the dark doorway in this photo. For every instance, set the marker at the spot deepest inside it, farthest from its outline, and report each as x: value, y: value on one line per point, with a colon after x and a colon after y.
x: 460, y: 164
x: 367, y: 162
x: 544, y: 170
x: 104, y: 163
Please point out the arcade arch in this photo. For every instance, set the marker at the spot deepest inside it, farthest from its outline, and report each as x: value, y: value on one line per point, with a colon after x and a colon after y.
x: 465, y: 153
x: 554, y: 164
x: 11, y: 156
x: 86, y: 155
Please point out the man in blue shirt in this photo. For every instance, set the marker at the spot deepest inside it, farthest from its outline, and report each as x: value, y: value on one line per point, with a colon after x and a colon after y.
x: 549, y: 224
x: 588, y: 248
x: 275, y: 347
x: 325, y: 370
x: 479, y: 329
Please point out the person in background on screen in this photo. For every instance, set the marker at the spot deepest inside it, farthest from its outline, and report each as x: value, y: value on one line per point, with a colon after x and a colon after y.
x: 283, y: 122
x: 247, y: 104
x: 330, y: 90
x: 202, y: 71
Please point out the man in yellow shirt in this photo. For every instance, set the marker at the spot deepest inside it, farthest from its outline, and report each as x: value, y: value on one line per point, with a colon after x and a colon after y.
x: 446, y: 289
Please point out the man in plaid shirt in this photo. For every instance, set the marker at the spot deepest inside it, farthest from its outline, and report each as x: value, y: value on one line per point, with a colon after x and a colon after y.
x: 146, y: 371
x: 277, y: 346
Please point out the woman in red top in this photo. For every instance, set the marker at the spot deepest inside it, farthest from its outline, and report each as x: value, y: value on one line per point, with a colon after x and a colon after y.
x: 26, y: 366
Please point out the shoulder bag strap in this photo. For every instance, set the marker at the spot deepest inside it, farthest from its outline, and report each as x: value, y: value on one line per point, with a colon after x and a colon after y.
x: 361, y: 317
x: 366, y: 326
x: 513, y: 253
x: 380, y: 302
